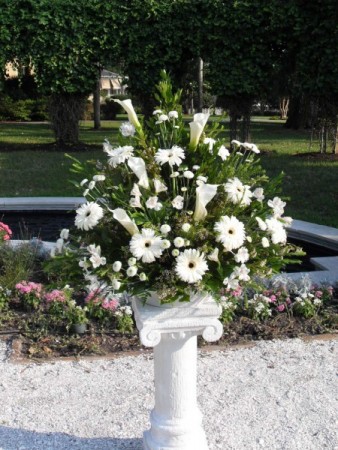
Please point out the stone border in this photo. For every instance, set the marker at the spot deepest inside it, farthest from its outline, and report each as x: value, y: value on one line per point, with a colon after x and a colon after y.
x: 40, y: 203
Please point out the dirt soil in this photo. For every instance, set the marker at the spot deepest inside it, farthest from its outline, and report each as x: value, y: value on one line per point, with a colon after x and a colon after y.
x: 109, y: 342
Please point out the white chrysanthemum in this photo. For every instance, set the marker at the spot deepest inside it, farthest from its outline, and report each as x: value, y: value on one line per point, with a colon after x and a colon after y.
x: 251, y: 147
x: 127, y: 129
x: 223, y: 152
x: 191, y: 266
x: 171, y: 156
x: 165, y: 229
x: 231, y: 232
x: 277, y: 205
x: 186, y: 227
x: 166, y: 244
x: 238, y: 192
x: 146, y: 245
x: 88, y: 216
x: 236, y: 143
x: 117, y: 266
x: 242, y: 255
x: 173, y: 114
x: 162, y: 118
x: 132, y: 262
x: 276, y: 230
x: 179, y: 242
x: 131, y: 271
x: 119, y: 155
x: 178, y: 202
x: 188, y: 174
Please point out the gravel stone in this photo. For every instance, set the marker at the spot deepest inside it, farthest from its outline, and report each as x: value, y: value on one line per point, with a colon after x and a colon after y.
x: 277, y: 395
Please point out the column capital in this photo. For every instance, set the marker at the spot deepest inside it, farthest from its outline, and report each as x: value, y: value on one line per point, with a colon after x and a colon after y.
x: 179, y: 319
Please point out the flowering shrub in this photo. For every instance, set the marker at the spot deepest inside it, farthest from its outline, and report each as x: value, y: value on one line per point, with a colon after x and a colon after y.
x: 30, y: 294
x: 101, y: 307
x: 282, y: 295
x: 5, y: 232
x: 57, y: 300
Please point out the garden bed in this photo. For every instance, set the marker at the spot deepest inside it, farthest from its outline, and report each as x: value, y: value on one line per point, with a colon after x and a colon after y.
x: 37, y: 343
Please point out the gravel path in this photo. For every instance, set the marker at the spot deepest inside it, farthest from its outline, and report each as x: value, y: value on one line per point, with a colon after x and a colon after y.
x: 278, y: 395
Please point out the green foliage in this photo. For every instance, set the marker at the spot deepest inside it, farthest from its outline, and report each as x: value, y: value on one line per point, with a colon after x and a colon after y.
x: 23, y: 110
x: 17, y: 264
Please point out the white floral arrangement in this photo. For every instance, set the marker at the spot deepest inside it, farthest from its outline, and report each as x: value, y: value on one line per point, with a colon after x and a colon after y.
x: 174, y: 211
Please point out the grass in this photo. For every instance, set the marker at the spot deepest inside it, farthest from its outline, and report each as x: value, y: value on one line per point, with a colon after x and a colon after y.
x: 28, y: 169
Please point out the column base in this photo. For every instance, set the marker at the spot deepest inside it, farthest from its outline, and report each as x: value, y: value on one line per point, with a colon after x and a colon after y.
x: 194, y: 441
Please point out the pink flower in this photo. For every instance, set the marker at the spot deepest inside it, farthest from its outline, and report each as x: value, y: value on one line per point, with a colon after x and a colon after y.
x: 5, y: 232
x: 55, y: 296
x: 273, y: 298
x: 94, y: 296
x: 110, y: 304
x: 280, y: 308
x: 288, y: 301
x: 318, y: 294
x: 28, y: 287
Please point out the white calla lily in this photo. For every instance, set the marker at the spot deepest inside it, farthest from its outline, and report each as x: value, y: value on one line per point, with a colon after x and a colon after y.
x: 204, y: 194
x: 138, y: 166
x: 122, y: 217
x: 197, y: 127
x: 159, y: 186
x: 129, y: 109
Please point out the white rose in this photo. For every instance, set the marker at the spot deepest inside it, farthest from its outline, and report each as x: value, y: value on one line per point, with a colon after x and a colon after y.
x: 165, y: 229
x: 117, y: 266
x: 186, y: 227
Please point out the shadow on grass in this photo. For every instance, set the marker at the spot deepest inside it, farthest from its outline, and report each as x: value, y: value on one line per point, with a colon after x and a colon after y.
x: 17, y: 438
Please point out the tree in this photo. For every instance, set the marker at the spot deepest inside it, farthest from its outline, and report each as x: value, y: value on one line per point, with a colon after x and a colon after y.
x: 64, y: 41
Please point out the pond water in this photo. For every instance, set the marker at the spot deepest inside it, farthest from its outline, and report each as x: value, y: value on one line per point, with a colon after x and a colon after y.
x: 48, y: 224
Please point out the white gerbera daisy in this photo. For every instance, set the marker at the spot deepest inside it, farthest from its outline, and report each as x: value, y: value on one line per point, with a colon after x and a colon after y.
x: 146, y: 245
x: 238, y: 192
x: 171, y: 156
x: 231, y: 232
x: 88, y: 216
x: 119, y: 155
x: 191, y: 266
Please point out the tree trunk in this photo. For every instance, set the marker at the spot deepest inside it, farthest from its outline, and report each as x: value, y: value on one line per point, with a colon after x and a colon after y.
x: 200, y: 84
x: 284, y: 107
x: 97, y: 106
x: 65, y: 112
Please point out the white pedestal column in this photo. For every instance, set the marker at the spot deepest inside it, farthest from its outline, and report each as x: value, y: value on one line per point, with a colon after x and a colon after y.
x: 176, y: 421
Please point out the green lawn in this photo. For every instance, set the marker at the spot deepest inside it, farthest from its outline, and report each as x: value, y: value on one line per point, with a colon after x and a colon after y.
x: 311, y: 183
